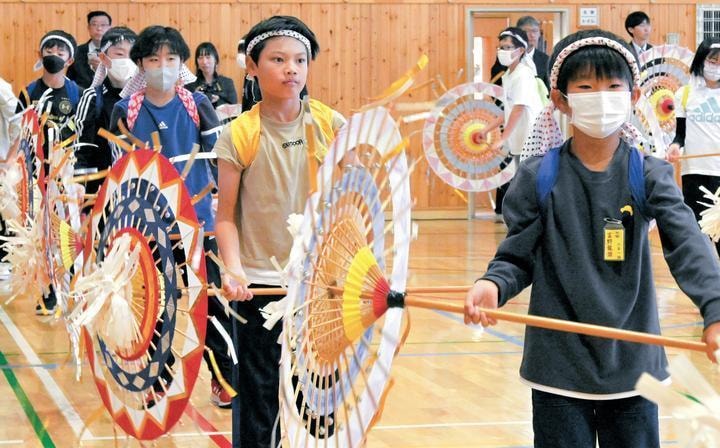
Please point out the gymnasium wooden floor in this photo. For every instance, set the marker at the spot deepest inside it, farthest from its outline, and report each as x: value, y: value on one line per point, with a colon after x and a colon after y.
x: 454, y: 386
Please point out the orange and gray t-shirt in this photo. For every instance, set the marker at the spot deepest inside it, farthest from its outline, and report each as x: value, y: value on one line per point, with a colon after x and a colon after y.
x: 274, y: 185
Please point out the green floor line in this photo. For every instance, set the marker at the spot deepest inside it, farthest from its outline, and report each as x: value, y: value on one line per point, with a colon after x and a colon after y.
x: 26, y: 405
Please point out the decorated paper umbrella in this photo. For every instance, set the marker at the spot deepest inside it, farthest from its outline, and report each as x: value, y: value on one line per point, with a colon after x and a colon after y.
x: 347, y: 291
x: 61, y: 221
x: 143, y: 255
x: 664, y: 69
x: 454, y: 140
x: 28, y: 159
x: 22, y: 184
x: 333, y: 373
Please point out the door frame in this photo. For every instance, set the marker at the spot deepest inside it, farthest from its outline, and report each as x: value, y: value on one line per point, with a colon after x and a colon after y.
x: 563, y: 27
x: 563, y: 30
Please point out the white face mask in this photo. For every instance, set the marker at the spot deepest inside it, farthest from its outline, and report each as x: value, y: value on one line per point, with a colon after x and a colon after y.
x: 162, y: 78
x: 121, y: 71
x: 599, y: 114
x: 506, y: 57
x: 711, y: 72
x: 240, y: 59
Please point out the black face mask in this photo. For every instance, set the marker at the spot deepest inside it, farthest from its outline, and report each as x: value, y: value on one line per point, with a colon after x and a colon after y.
x: 53, y: 64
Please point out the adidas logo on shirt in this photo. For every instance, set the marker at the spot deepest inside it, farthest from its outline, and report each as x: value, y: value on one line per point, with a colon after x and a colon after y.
x: 162, y: 125
x: 707, y: 112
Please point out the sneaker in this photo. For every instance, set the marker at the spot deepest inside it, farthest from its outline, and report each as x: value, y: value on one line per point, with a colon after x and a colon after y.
x: 219, y: 396
x: 49, y: 309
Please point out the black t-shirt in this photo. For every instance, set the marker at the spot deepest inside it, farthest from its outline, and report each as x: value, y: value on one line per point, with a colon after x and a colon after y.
x: 62, y: 106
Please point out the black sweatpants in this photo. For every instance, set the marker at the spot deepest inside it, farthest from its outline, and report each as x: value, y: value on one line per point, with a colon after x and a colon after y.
x: 256, y: 380
x: 691, y: 193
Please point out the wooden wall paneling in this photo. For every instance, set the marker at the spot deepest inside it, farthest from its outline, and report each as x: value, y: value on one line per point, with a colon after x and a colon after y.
x: 366, y: 44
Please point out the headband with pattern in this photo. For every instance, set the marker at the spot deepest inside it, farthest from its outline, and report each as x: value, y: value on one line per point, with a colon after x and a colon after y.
x: 516, y: 36
x: 545, y: 133
x: 288, y: 33
x: 590, y: 41
x: 65, y: 40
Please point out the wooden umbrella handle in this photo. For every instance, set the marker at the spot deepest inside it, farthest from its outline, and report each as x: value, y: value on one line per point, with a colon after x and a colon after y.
x: 563, y: 325
x: 698, y: 156
x: 260, y: 291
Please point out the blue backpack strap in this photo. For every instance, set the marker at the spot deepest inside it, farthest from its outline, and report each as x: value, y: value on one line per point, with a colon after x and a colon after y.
x: 636, y: 179
x: 73, y: 92
x: 30, y: 88
x: 98, y: 101
x: 547, y: 176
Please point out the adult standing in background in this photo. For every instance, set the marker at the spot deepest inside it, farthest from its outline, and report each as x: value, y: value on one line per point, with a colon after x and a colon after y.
x: 219, y: 89
x: 637, y: 24
x: 87, y: 56
x: 531, y: 26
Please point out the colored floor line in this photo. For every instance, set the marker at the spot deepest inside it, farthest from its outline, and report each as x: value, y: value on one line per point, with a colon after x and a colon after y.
x: 207, y: 427
x: 63, y: 404
x: 29, y: 366
x: 28, y: 408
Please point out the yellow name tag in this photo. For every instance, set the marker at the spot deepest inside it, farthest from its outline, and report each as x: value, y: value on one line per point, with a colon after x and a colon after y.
x: 614, y: 241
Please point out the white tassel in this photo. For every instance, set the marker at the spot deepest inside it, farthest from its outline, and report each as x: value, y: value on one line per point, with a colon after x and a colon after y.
x: 295, y: 221
x: 273, y: 312
x: 24, y: 252
x: 9, y: 179
x: 710, y: 221
x: 104, y: 297
x: 692, y: 403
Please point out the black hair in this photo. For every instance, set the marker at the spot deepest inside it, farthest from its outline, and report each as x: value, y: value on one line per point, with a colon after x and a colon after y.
x: 206, y: 48
x: 634, y: 19
x: 50, y: 43
x: 600, y: 61
x: 118, y: 34
x: 152, y: 38
x: 92, y: 14
x: 517, y: 32
x: 277, y: 23
x: 241, y: 45
x: 527, y: 20
x: 703, y: 52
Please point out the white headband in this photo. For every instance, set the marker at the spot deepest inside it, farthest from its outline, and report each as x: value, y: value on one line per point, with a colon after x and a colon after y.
x: 511, y: 34
x: 715, y: 46
x: 289, y: 33
x: 113, y: 42
x: 60, y: 38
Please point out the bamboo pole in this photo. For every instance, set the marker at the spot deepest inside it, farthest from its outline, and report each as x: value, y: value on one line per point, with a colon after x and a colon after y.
x: 533, y: 321
x: 566, y: 326
x: 698, y: 156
